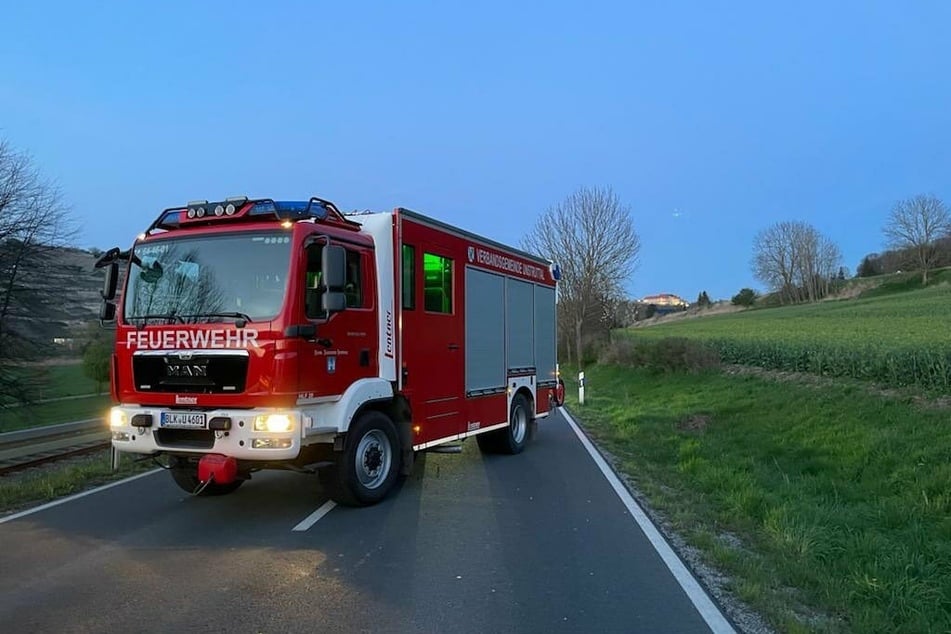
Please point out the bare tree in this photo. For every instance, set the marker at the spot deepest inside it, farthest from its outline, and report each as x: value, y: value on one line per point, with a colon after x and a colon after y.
x: 33, y: 218
x: 795, y: 260
x: 916, y: 224
x: 591, y: 236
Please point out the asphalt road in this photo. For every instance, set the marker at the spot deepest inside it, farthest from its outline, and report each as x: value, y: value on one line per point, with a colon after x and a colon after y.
x: 532, y: 543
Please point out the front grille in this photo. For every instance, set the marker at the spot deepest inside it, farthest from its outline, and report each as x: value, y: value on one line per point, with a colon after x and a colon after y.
x: 190, y: 374
x: 185, y: 438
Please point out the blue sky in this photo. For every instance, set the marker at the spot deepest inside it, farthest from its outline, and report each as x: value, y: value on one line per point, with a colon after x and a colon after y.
x: 712, y: 120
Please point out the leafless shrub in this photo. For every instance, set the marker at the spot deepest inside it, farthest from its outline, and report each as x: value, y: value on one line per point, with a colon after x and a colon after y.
x: 661, y: 356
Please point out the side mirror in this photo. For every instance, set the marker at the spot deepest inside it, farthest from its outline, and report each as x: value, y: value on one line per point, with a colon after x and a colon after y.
x: 111, y: 255
x: 333, y: 301
x: 109, y: 285
x: 107, y: 312
x: 334, y: 267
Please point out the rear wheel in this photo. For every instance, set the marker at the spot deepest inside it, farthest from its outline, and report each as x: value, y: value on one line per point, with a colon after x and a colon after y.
x: 559, y: 396
x: 185, y: 474
x: 368, y: 467
x: 514, y: 438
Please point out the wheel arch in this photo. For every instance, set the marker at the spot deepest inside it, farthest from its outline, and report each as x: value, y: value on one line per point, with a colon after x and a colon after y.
x: 529, y: 396
x: 398, y: 410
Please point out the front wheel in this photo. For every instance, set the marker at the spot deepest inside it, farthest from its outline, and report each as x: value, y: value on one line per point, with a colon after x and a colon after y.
x: 185, y: 474
x: 367, y: 469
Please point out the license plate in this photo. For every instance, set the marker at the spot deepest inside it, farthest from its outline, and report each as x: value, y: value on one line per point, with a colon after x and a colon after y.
x: 183, y: 419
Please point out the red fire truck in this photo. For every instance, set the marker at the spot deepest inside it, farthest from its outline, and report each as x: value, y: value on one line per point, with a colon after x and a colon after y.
x: 258, y: 334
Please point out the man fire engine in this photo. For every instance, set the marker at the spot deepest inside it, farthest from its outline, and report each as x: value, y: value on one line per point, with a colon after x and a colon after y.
x: 256, y: 334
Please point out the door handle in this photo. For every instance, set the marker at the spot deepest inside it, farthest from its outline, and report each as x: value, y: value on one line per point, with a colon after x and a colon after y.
x: 454, y: 346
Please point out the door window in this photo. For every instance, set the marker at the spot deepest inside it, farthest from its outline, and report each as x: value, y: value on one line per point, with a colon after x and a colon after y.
x: 409, y: 277
x: 313, y: 283
x: 313, y: 289
x: 353, y: 288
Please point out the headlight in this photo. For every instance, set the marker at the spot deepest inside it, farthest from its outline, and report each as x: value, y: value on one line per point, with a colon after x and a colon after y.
x: 117, y: 417
x: 273, y: 423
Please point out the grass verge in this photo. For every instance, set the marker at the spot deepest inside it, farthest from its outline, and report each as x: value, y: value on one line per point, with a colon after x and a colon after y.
x: 828, y: 508
x: 14, y: 418
x: 28, y: 488
x: 68, y: 380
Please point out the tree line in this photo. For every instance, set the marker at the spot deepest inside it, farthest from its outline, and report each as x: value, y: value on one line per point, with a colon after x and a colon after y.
x: 795, y: 261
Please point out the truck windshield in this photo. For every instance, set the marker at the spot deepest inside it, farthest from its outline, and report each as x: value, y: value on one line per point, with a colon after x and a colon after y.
x: 208, y: 278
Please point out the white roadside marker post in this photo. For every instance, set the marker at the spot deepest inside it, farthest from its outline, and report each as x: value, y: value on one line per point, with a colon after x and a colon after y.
x: 581, y: 388
x: 116, y: 457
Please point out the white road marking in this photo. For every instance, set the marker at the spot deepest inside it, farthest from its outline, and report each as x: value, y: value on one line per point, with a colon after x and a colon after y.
x: 49, y: 505
x: 312, y: 519
x: 694, y: 591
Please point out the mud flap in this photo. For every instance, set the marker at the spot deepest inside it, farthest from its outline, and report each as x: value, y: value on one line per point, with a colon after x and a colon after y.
x: 406, y: 448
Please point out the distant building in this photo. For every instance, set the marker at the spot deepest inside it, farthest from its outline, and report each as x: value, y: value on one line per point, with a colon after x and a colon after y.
x: 667, y: 300
x: 66, y: 342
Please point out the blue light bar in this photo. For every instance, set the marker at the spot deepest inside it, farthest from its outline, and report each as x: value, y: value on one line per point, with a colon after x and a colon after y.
x: 202, y: 212
x: 289, y: 209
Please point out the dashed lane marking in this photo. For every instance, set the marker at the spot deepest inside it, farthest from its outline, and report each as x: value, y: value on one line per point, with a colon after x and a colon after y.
x: 314, y: 517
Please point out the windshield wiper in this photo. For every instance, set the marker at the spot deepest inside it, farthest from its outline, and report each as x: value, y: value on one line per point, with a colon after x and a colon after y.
x: 240, y: 319
x: 168, y: 317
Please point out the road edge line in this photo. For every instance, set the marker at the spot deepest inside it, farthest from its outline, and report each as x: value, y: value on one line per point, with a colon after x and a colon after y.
x: 709, y: 611
x: 75, y: 496
x: 314, y: 517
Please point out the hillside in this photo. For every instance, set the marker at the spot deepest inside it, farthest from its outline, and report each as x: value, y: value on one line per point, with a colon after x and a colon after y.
x: 73, y: 303
x: 889, y: 335
x: 907, y: 318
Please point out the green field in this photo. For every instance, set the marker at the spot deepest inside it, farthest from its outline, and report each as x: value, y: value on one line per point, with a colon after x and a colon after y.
x: 896, y: 339
x: 826, y: 506
x: 58, y: 380
x: 65, y: 411
x: 826, y: 502
x: 53, y: 398
x: 68, y: 380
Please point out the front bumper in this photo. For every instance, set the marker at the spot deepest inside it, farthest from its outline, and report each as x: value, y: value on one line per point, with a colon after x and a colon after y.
x: 240, y: 441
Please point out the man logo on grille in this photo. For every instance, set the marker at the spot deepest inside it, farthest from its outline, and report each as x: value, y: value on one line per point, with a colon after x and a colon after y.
x: 176, y: 365
x: 181, y: 369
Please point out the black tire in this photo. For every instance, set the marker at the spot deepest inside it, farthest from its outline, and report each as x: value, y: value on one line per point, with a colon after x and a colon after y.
x: 514, y: 438
x: 185, y: 474
x: 368, y: 466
